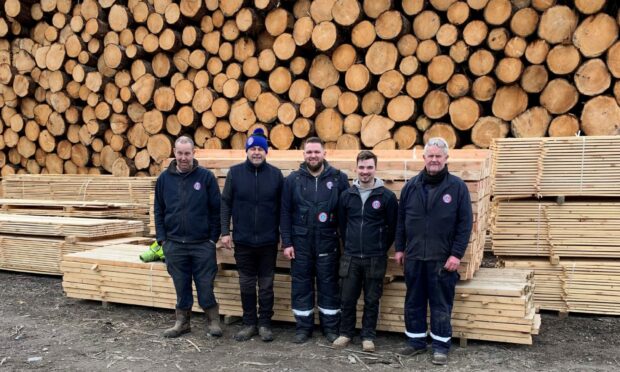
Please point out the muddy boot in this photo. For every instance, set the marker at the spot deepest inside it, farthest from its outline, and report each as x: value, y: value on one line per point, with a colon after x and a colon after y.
x: 246, y: 333
x: 181, y: 326
x: 213, y: 321
x: 266, y: 334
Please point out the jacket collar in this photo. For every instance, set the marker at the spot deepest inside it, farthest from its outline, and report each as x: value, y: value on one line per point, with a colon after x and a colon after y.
x: 172, y: 168
x: 252, y: 167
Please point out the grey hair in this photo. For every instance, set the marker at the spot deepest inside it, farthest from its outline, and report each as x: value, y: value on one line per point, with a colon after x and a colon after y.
x: 182, y: 140
x: 438, y: 142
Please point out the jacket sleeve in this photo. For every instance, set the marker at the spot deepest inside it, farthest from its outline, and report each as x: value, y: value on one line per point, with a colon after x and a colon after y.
x: 286, y: 211
x: 344, y: 182
x: 463, y: 224
x: 343, y: 217
x: 391, y: 219
x: 226, y: 205
x: 214, y: 208
x: 401, y: 234
x: 160, y: 210
x: 279, y: 196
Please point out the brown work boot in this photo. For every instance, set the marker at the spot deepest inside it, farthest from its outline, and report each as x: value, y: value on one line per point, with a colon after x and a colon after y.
x: 213, y: 321
x: 181, y: 326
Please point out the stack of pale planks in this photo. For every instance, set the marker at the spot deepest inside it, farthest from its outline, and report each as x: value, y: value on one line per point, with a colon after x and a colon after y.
x: 395, y: 167
x: 496, y: 305
x: 567, y: 166
x: 79, y: 196
x: 571, y: 242
x: 37, y: 243
x: 575, y: 285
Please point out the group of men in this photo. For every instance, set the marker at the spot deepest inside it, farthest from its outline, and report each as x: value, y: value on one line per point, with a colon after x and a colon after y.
x: 309, y: 213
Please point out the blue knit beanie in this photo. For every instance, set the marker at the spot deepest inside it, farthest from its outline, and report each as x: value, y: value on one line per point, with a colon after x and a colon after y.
x: 257, y: 138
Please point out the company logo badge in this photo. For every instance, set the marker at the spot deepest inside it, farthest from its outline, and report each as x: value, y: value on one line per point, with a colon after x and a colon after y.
x: 447, y: 198
x: 197, y: 186
x: 329, y: 185
x: 322, y: 217
x: 376, y: 204
x: 250, y: 141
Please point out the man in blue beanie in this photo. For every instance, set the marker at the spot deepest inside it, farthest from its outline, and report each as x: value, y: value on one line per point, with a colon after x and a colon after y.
x: 251, y: 197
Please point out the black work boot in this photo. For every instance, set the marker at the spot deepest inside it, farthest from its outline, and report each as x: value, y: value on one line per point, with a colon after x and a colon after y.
x: 213, y: 321
x: 246, y: 333
x: 181, y: 326
x: 266, y: 334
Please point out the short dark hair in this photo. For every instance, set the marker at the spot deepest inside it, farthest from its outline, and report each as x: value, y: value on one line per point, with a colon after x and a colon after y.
x: 314, y: 140
x: 365, y: 155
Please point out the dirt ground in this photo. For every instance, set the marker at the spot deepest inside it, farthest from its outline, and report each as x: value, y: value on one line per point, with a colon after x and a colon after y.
x: 42, y: 329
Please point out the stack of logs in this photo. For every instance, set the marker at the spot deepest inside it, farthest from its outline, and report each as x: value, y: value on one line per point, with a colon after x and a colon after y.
x: 104, y: 86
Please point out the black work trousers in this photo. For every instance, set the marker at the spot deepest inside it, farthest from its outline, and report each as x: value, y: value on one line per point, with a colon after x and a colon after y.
x: 356, y: 274
x: 256, y: 265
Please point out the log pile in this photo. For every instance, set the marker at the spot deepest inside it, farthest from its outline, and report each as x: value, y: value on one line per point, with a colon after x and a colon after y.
x: 555, y: 212
x: 496, y: 306
x: 395, y: 167
x: 104, y: 86
x: 37, y: 243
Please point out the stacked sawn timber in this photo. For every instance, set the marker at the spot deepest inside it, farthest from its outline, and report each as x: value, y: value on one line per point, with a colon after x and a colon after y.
x: 571, y: 242
x: 98, y: 86
x: 37, y: 243
x: 395, y: 167
x: 100, y: 196
x: 496, y: 305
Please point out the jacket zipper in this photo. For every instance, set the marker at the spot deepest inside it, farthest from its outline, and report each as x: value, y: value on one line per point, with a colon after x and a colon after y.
x: 255, y: 204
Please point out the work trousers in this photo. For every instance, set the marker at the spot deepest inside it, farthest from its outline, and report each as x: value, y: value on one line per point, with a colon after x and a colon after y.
x: 428, y: 283
x: 356, y: 274
x: 256, y: 265
x: 196, y: 261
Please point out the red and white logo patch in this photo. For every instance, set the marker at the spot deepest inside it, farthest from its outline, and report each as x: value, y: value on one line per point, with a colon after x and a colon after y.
x: 376, y: 204
x: 447, y: 198
x: 197, y: 186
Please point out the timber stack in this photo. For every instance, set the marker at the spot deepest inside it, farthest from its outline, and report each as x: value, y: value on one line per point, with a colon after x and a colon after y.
x: 555, y: 211
x: 104, y: 86
x: 497, y: 305
x: 89, y: 196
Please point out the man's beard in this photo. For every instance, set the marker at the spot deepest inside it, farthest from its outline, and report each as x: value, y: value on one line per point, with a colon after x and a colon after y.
x: 314, y: 168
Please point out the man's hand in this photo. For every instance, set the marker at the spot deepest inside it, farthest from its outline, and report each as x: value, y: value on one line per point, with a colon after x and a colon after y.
x: 452, y: 264
x: 289, y: 252
x: 227, y: 242
x: 399, y: 257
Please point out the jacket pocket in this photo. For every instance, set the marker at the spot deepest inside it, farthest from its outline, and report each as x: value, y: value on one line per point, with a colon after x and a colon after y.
x: 300, y: 231
x: 378, y: 266
x: 345, y: 266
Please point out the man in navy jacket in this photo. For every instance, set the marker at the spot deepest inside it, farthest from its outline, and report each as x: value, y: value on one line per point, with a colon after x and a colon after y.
x: 251, y: 197
x: 309, y: 228
x: 433, y: 230
x: 187, y: 222
x: 367, y: 217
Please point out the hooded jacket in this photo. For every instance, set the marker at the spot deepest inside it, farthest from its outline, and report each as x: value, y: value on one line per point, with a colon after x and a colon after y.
x: 187, y: 205
x: 367, y: 228
x: 437, y: 228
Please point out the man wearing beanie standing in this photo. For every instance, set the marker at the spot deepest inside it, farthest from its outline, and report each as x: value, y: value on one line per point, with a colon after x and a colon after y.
x: 367, y: 216
x: 187, y: 222
x: 432, y: 233
x: 251, y: 197
x: 309, y: 227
